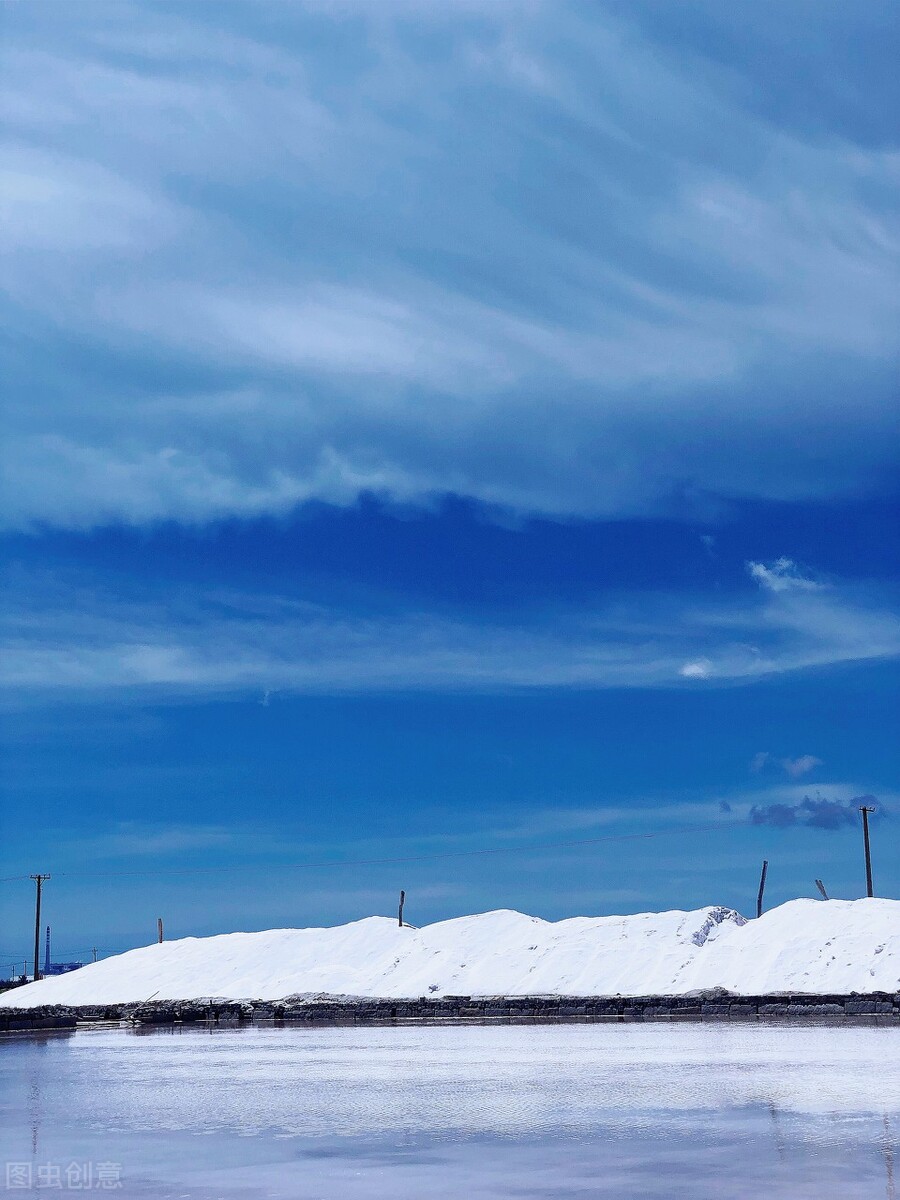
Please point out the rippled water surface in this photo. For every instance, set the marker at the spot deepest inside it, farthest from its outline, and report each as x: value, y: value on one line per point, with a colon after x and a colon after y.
x: 561, y: 1111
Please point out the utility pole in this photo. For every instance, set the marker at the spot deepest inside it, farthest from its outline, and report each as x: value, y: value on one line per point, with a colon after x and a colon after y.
x: 762, y: 887
x: 865, y: 810
x: 38, y: 879
x: 400, y: 915
x: 159, y: 930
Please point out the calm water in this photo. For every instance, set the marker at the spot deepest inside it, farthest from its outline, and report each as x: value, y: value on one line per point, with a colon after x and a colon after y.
x: 407, y: 1113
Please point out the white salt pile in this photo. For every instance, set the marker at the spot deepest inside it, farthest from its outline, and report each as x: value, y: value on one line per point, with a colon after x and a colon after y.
x: 803, y: 946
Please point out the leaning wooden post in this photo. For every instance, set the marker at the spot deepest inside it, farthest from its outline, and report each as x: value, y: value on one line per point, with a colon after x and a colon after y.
x: 400, y: 914
x: 762, y: 887
x: 159, y: 930
x: 821, y: 886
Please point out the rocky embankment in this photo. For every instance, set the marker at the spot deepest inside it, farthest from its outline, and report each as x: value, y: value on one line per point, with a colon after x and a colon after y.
x: 712, y: 1005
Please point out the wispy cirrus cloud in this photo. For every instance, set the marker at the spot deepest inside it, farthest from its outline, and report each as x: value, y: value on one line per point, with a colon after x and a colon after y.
x: 140, y: 839
x: 294, y: 272
x: 783, y: 575
x: 68, y: 632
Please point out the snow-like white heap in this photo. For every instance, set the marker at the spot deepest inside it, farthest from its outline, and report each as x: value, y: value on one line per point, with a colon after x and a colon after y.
x: 803, y: 946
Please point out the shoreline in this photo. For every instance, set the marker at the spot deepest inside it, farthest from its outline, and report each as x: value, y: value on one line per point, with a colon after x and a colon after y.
x: 716, y: 1005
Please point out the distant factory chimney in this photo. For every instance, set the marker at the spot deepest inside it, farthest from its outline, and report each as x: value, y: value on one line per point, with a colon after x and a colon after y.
x: 47, y: 954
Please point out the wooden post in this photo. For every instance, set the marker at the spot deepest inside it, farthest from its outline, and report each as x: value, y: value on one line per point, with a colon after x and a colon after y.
x: 762, y: 887
x: 821, y: 886
x: 159, y: 929
x: 865, y: 810
x: 400, y: 915
x: 38, y: 879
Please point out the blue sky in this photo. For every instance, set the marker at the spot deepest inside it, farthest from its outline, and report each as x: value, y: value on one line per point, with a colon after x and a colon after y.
x: 445, y: 428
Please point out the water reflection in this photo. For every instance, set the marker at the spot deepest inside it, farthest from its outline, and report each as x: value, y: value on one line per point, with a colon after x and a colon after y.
x: 487, y: 1112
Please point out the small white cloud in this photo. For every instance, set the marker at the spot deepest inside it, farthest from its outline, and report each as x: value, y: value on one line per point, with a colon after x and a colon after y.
x: 701, y: 669
x: 796, y: 767
x: 781, y: 576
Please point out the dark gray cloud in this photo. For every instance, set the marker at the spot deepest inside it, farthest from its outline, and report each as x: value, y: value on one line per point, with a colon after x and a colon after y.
x: 814, y: 812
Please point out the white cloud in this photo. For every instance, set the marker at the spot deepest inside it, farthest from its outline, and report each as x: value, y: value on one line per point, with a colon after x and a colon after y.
x: 68, y: 634
x: 51, y: 202
x: 796, y: 767
x: 696, y: 670
x: 781, y: 576
x: 579, y: 306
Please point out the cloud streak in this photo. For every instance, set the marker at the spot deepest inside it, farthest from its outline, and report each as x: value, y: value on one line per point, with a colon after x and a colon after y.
x: 67, y: 633
x: 782, y: 575
x: 242, y: 273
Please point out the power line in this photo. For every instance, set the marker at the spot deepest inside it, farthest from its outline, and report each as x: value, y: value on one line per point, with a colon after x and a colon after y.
x: 379, y: 862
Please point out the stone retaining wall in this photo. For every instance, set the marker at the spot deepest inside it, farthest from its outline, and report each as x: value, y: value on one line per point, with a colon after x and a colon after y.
x: 714, y: 1005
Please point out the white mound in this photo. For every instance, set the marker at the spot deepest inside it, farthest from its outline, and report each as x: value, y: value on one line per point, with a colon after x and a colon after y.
x: 803, y: 946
